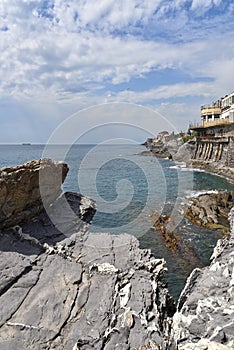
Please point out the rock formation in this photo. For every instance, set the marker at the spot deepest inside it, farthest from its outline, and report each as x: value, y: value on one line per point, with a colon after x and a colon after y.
x: 20, y: 197
x: 180, y: 248
x: 90, y: 291
x: 62, y: 287
x: 210, y: 209
x: 70, y: 289
x: 185, y: 152
x: 162, y: 149
x: 205, y: 311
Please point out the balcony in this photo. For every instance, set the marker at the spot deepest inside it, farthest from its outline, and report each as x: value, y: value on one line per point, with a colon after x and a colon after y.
x: 210, y: 110
x: 208, y: 124
x: 215, y: 122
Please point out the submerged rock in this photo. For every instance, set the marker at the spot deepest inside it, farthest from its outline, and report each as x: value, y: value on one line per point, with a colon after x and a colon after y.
x: 179, y: 247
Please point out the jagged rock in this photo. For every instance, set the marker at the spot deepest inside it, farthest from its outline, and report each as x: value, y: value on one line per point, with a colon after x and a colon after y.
x: 162, y: 149
x: 207, y: 209
x: 20, y: 197
x: 183, y: 250
x: 185, y: 152
x: 205, y: 311
x: 89, y: 291
x: 62, y: 287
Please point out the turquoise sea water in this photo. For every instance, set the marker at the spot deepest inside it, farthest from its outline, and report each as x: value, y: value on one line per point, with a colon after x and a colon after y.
x: 127, y: 187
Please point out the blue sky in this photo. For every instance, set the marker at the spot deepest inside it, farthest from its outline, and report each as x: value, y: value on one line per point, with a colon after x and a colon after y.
x: 61, y: 56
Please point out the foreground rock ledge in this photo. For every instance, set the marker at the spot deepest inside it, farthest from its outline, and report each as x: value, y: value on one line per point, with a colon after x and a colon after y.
x: 91, y: 291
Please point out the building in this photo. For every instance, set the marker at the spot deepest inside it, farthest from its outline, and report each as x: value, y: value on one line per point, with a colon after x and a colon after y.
x: 215, y: 134
x: 217, y: 119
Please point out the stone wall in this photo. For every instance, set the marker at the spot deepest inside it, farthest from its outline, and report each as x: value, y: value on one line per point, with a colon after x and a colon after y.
x: 215, y: 150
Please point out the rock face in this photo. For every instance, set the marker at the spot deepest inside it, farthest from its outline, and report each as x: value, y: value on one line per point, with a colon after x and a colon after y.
x: 208, y: 209
x: 205, y: 315
x: 20, y: 197
x: 185, y: 152
x: 162, y: 149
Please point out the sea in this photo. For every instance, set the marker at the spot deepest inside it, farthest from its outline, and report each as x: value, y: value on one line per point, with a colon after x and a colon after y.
x: 128, y: 187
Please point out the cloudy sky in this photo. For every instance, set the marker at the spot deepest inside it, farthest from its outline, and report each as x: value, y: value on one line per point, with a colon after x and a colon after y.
x: 61, y: 56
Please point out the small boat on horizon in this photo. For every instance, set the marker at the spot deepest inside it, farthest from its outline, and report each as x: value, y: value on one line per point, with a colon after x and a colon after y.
x: 26, y: 144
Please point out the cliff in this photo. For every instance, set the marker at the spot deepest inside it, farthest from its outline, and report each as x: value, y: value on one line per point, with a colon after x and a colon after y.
x: 62, y: 287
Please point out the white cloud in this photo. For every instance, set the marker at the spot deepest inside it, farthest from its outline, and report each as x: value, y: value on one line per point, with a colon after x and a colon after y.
x: 199, y: 4
x: 60, y: 62
x: 64, y: 51
x: 169, y: 91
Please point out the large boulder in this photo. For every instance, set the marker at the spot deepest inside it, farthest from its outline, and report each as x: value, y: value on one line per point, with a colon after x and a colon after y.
x: 185, y: 152
x: 210, y: 209
x: 21, y: 187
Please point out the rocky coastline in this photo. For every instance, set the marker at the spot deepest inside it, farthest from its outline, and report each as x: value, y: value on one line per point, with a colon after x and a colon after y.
x: 62, y: 287
x: 189, y: 152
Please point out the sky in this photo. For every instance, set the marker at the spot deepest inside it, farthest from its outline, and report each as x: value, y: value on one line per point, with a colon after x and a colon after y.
x: 60, y: 57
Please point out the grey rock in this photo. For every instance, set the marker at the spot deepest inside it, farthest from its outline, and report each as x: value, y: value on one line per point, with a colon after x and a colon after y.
x: 231, y: 221
x: 185, y: 152
x: 205, y: 311
x: 162, y: 149
x: 84, y: 296
x: 207, y: 209
x: 64, y: 288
